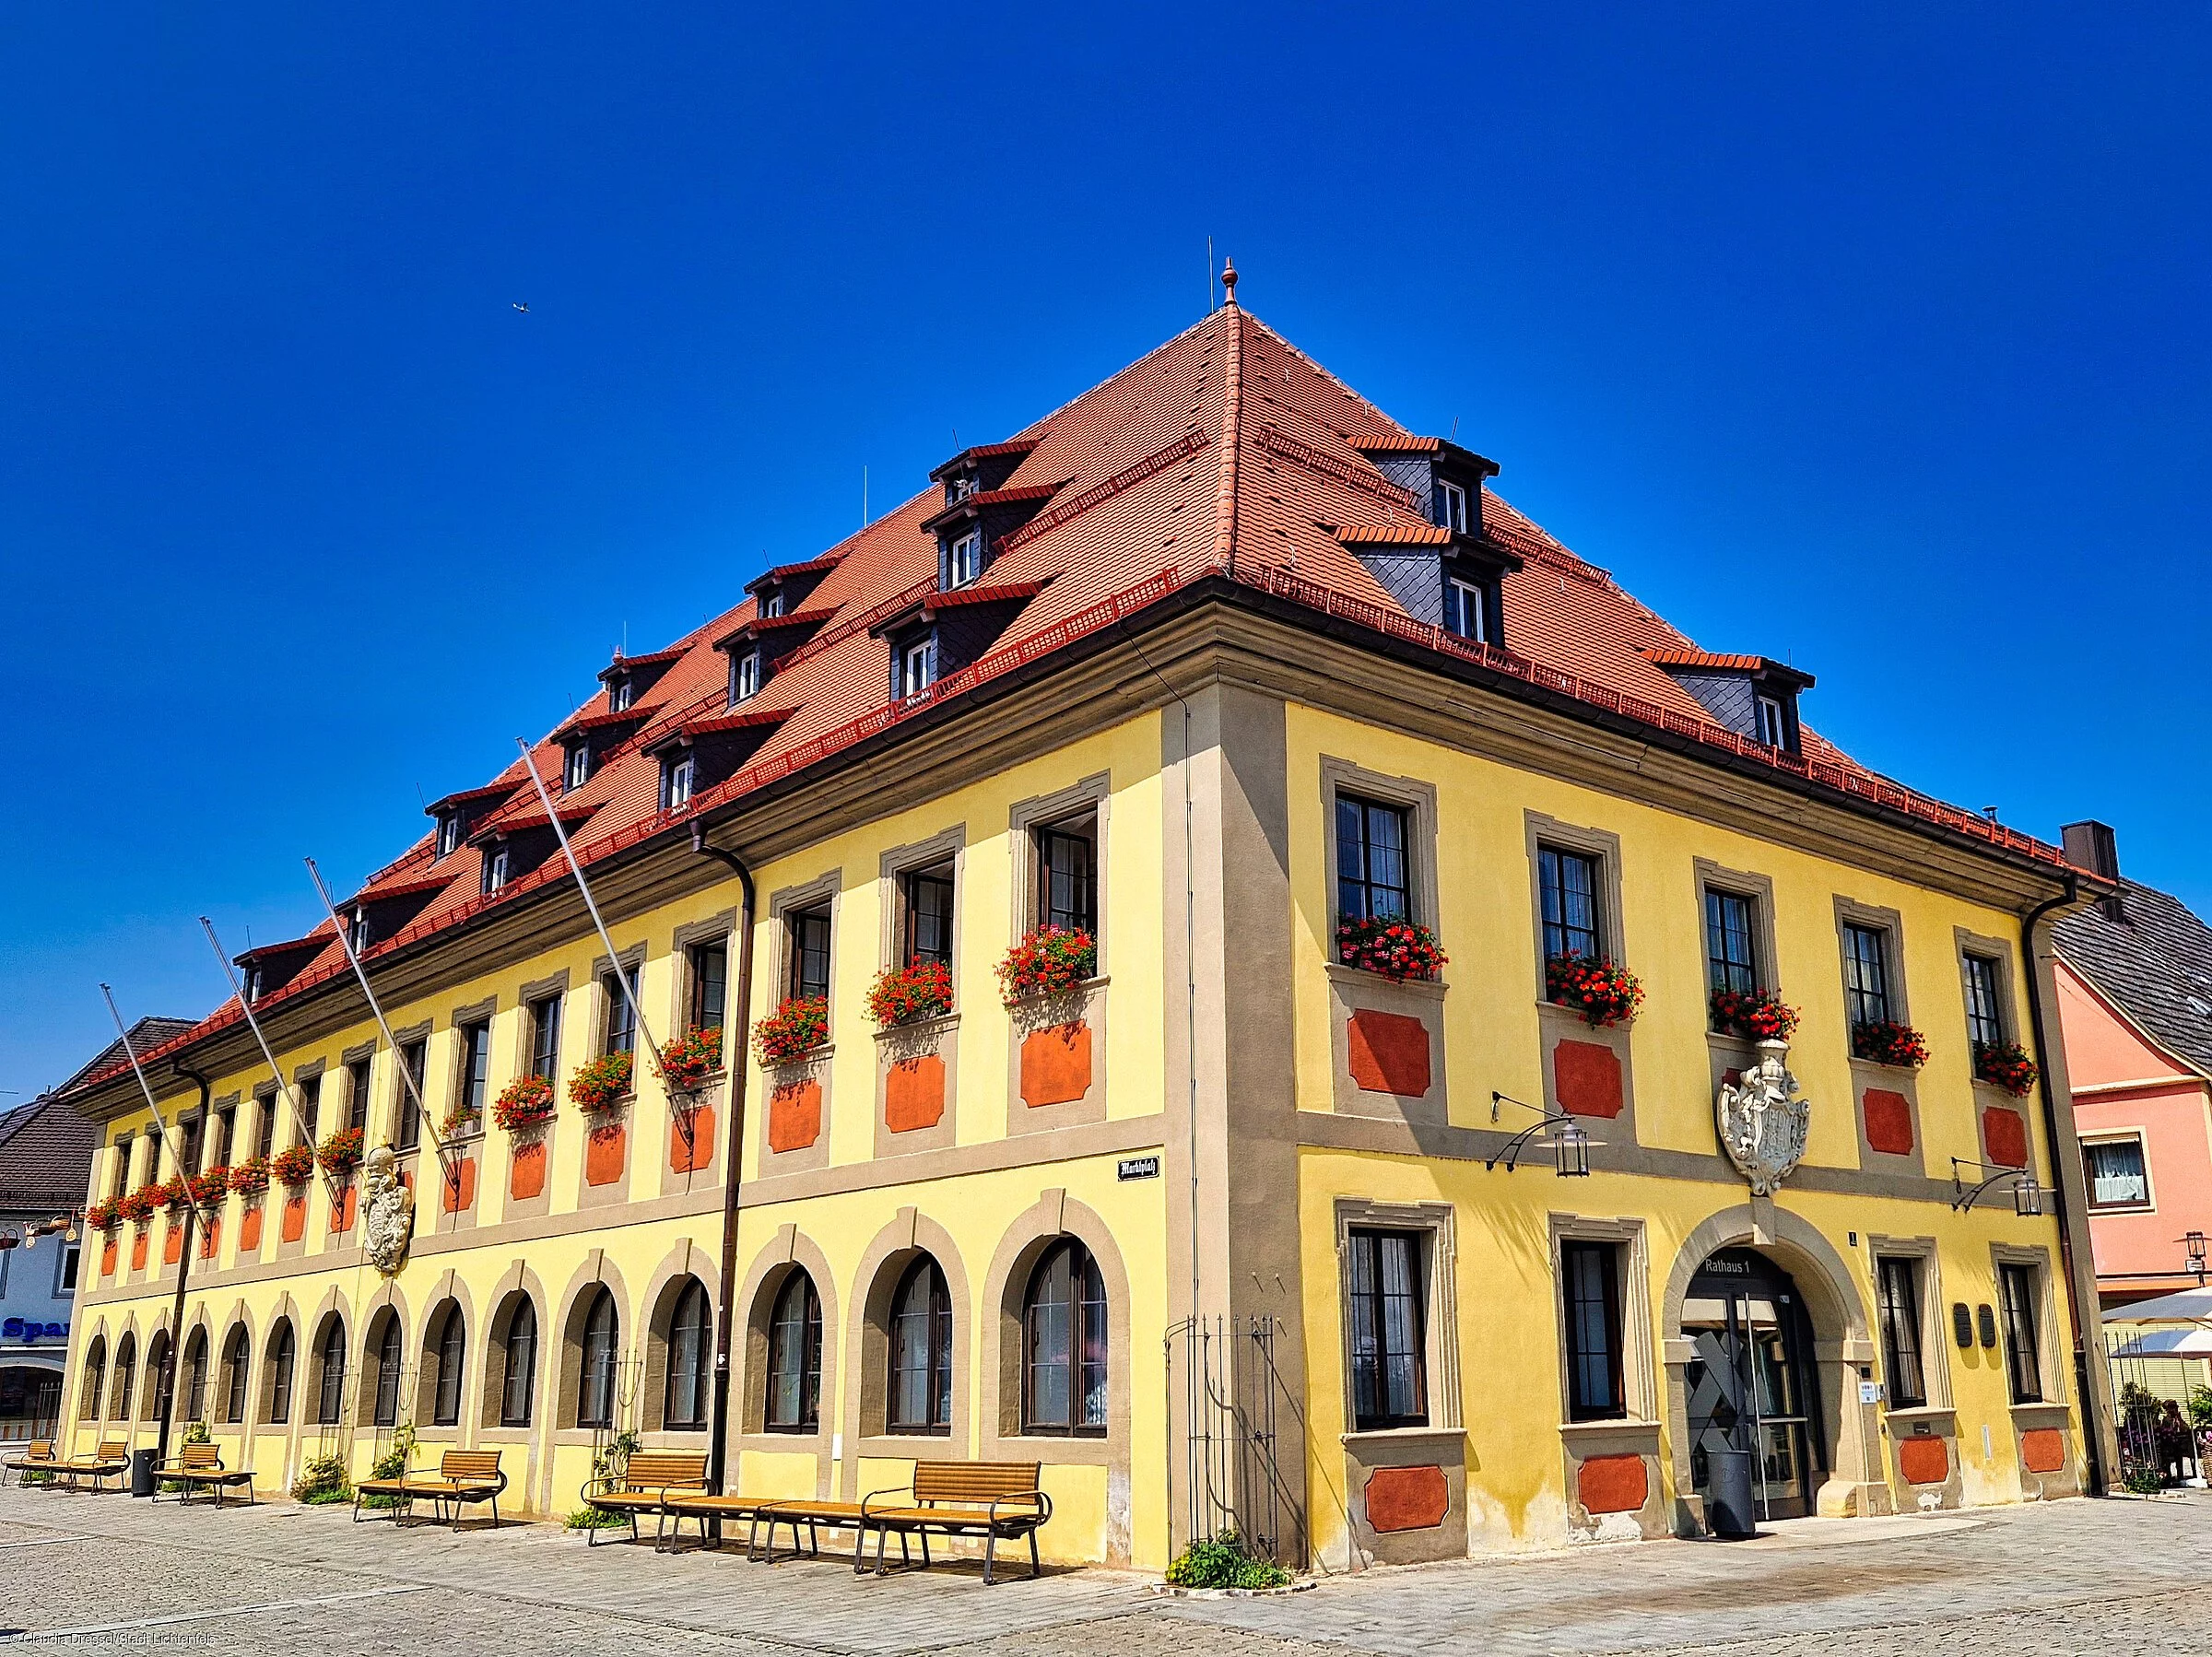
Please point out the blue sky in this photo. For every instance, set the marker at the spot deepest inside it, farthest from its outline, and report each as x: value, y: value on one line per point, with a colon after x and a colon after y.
x: 1875, y: 340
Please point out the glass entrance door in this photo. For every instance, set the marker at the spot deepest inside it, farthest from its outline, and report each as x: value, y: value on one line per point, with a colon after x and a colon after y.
x: 1749, y: 1381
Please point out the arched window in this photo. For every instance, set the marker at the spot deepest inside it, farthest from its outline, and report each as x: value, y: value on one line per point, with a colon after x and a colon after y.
x: 391, y: 1350
x: 280, y: 1372
x: 795, y: 1359
x: 237, y: 1352
x: 161, y: 1375
x: 521, y: 1365
x: 595, y: 1395
x: 920, y: 1379
x: 95, y: 1377
x: 330, y: 1402
x: 196, y: 1374
x: 690, y: 1330
x: 126, y: 1372
x: 452, y: 1349
x: 1064, y: 1344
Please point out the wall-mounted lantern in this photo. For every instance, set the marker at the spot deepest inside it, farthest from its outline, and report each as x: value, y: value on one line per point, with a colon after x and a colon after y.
x: 1570, y: 1141
x: 2027, y: 1195
x: 2194, y: 1243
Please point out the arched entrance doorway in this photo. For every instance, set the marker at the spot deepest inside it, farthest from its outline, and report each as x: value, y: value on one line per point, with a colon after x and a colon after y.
x: 1751, y: 1384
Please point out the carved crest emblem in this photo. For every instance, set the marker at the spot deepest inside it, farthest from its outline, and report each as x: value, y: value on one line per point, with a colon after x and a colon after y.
x: 1763, y: 1119
x: 387, y: 1211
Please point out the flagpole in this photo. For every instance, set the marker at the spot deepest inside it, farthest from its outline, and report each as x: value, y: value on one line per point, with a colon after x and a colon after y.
x: 406, y: 1076
x: 583, y: 886
x: 307, y: 1136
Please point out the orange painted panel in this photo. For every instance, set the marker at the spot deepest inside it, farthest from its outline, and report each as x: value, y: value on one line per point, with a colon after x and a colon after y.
x: 249, y: 1231
x: 2004, y: 1137
x: 688, y: 1154
x: 341, y: 1218
x: 1407, y: 1499
x: 172, y: 1242
x: 211, y: 1239
x: 526, y: 1170
x: 1056, y: 1065
x: 107, y: 1256
x: 1888, y: 1121
x: 1924, y: 1461
x: 294, y: 1219
x: 1613, y: 1484
x: 2043, y: 1449
x: 1586, y: 1077
x: 913, y: 1094
x: 795, y: 1116
x: 459, y: 1193
x: 139, y: 1250
x: 604, y: 1154
x: 1389, y: 1053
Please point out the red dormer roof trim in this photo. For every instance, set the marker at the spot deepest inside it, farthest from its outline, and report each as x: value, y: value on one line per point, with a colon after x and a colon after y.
x: 747, y: 631
x: 1399, y: 443
x: 783, y: 572
x: 926, y: 606
x: 1710, y: 661
x: 722, y: 724
x: 659, y: 658
x: 973, y: 506
x: 318, y: 939
x: 471, y: 796
x: 568, y: 811
x: 1020, y: 445
x: 405, y: 888
x: 600, y: 721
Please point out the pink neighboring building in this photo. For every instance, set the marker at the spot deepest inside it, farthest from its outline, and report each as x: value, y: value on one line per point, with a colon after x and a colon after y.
x: 2135, y: 997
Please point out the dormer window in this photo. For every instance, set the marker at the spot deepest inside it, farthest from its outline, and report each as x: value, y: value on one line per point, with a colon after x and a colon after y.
x: 576, y: 768
x: 772, y: 602
x: 1451, y: 506
x: 964, y: 559
x: 621, y: 691
x: 1773, y: 727
x: 675, y: 780
x: 917, y: 665
x: 963, y: 485
x: 744, y: 675
x: 1466, y: 610
x: 1756, y: 697
x: 448, y: 833
x: 358, y: 932
x: 250, y: 983
x: 497, y: 864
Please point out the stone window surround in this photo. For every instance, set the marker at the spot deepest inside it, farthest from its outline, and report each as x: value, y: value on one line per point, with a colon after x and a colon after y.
x: 2141, y: 1135
x: 514, y: 1288
x: 1999, y: 955
x: 1093, y: 794
x: 1439, y: 1309
x: 349, y: 1057
x: 789, y: 1250
x: 477, y: 1012
x: 1766, y: 968
x: 1891, y: 926
x: 720, y: 927
x: 401, y: 1103
x: 946, y: 846
x: 826, y: 887
x: 554, y: 986
x: 1053, y: 1217
x: 1417, y: 799
x: 602, y: 965
x: 1639, y: 1352
x: 908, y: 1237
x: 1934, y: 1318
x: 1539, y: 830
x: 2052, y: 1356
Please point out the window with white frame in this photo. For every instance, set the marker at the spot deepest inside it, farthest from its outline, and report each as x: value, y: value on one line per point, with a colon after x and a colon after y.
x: 964, y: 559
x: 1463, y: 611
x: 2119, y: 1174
x: 620, y: 693
x: 448, y: 833
x: 676, y: 772
x: 1773, y: 729
x: 744, y: 675
x: 1451, y: 506
x: 918, y: 665
x: 498, y: 864
x: 576, y: 769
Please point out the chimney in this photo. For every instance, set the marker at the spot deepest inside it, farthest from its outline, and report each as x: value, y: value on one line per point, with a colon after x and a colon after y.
x: 2091, y: 845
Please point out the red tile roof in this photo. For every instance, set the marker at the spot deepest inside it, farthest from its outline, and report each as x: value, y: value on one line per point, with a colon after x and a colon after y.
x: 1216, y: 458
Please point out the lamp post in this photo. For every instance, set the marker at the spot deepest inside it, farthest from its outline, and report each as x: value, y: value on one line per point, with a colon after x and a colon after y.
x: 2194, y: 1243
x: 1569, y: 1145
x: 2027, y: 1195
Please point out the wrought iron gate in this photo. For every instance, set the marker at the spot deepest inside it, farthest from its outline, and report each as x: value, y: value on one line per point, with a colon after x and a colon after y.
x: 1222, y: 1369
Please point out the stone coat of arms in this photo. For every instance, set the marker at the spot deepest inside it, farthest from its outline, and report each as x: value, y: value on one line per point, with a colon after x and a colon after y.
x: 1763, y: 1119
x: 387, y: 1211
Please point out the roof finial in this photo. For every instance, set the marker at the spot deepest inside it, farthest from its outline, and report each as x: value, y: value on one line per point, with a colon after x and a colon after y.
x: 1229, y: 281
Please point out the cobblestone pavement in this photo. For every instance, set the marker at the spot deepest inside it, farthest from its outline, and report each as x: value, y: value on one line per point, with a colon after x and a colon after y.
x: 102, y: 1573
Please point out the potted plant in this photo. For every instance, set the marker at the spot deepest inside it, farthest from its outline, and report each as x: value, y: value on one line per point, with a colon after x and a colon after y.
x: 692, y: 1058
x: 1391, y: 947
x: 173, y: 1194
x: 341, y: 1152
x: 523, y: 1103
x: 293, y: 1164
x: 140, y: 1205
x: 1755, y: 1015
x: 2004, y: 1065
x: 910, y: 993
x: 458, y: 1121
x: 250, y: 1178
x: 208, y: 1187
x: 792, y: 1031
x: 602, y: 1083
x: 1603, y: 992
x: 1885, y: 1042
x: 105, y: 1215
x: 1047, y: 961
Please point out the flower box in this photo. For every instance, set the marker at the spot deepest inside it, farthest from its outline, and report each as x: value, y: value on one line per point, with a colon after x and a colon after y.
x: 294, y: 1165
x: 908, y: 994
x: 1391, y: 947
x: 141, y: 1204
x: 1754, y: 1015
x: 792, y: 1031
x: 105, y: 1215
x: 250, y: 1178
x: 173, y: 1194
x: 209, y: 1187
x: 2004, y: 1065
x: 602, y: 1083
x: 524, y: 1102
x: 1885, y: 1041
x: 1603, y: 992
x: 692, y: 1058
x: 341, y: 1152
x: 1047, y: 961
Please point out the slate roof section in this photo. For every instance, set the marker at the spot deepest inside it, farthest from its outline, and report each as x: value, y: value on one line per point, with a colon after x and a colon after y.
x: 1216, y: 458
x: 2156, y: 965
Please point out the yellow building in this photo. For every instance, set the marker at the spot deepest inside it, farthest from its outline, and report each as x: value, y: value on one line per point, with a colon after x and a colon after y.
x: 1234, y: 1207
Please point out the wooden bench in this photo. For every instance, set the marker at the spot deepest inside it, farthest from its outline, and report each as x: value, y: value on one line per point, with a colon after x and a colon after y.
x: 763, y: 1511
x: 464, y: 1475
x: 200, y: 1466
x: 110, y: 1460
x: 996, y: 1501
x: 643, y: 1487
x: 37, y: 1457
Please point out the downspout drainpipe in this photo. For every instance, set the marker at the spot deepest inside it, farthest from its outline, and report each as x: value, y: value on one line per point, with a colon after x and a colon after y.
x: 2092, y: 1439
x: 176, y: 1316
x: 734, y: 1062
